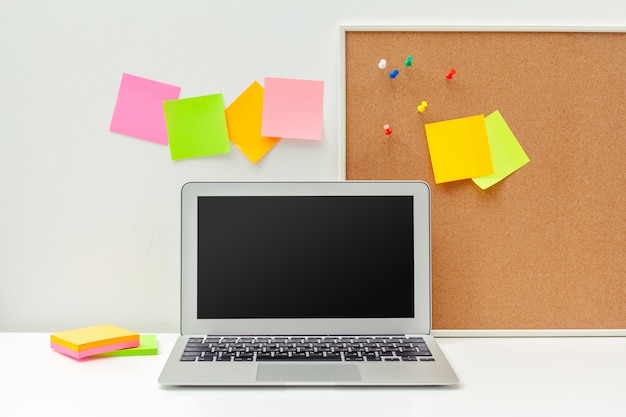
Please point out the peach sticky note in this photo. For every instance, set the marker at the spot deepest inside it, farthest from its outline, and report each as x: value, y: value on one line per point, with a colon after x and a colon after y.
x: 459, y: 148
x: 506, y: 153
x: 293, y: 108
x: 87, y: 341
x: 196, y: 126
x: 138, y: 110
x: 243, y: 118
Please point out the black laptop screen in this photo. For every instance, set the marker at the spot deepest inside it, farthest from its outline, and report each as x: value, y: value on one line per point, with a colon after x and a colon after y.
x: 305, y: 257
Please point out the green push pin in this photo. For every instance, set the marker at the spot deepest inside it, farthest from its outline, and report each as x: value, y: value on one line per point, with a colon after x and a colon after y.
x: 409, y: 61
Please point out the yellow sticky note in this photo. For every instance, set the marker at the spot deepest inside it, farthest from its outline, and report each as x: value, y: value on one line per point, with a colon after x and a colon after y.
x: 459, y: 148
x: 94, y: 336
x: 244, y: 119
x: 506, y: 152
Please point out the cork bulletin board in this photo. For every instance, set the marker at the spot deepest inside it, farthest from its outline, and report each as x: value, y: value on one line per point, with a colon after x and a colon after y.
x: 545, y: 248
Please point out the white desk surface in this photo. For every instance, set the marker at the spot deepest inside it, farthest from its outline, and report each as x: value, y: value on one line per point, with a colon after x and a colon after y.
x: 499, y: 377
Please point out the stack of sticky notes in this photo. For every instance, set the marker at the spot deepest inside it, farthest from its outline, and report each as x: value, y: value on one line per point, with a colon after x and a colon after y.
x: 89, y: 341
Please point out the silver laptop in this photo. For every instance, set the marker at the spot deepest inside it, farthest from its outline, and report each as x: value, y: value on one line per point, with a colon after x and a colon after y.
x: 306, y: 283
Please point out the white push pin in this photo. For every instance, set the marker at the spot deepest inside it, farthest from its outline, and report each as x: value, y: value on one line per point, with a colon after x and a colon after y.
x: 382, y: 64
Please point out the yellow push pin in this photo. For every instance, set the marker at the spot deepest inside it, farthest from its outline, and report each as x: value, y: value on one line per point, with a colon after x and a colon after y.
x: 422, y: 107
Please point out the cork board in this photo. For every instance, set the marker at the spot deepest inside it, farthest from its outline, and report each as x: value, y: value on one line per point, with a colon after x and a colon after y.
x: 545, y: 247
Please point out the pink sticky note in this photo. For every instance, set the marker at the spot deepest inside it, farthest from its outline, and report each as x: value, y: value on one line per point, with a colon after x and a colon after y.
x: 293, y: 108
x: 139, y: 108
x: 93, y: 351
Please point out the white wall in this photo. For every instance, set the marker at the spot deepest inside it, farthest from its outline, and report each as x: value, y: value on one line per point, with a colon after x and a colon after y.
x: 89, y: 232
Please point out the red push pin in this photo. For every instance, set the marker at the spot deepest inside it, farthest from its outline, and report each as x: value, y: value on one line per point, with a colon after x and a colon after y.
x: 450, y: 74
x: 387, y: 130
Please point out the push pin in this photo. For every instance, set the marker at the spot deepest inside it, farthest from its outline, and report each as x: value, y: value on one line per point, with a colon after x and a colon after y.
x: 409, y: 61
x: 451, y: 74
x: 387, y: 130
x: 422, y: 107
x: 394, y: 73
x: 382, y: 64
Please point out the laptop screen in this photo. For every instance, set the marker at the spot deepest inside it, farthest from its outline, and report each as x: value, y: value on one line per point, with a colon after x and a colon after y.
x: 305, y: 256
x: 326, y: 257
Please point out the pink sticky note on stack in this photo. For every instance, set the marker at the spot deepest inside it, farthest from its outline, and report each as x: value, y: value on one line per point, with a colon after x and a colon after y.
x: 139, y: 108
x: 293, y: 108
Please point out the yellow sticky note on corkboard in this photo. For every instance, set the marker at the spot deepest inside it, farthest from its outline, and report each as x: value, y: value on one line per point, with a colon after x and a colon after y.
x: 243, y: 118
x: 459, y: 148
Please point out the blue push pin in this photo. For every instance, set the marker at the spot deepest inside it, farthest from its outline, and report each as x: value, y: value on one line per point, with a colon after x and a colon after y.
x: 394, y: 73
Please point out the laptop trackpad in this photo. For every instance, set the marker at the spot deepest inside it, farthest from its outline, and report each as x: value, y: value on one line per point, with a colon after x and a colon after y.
x: 307, y: 373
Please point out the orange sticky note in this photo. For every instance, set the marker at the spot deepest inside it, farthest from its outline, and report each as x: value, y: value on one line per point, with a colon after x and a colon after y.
x: 244, y: 119
x: 459, y: 148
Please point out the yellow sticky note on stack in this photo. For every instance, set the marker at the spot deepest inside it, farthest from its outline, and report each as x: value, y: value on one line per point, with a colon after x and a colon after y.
x: 459, y: 148
x: 244, y: 119
x: 506, y: 152
x: 88, y: 341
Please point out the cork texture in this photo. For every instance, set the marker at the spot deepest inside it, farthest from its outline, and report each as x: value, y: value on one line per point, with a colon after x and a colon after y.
x: 545, y: 247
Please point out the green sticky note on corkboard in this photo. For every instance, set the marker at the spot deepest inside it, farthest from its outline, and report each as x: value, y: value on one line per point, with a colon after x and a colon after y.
x: 506, y: 153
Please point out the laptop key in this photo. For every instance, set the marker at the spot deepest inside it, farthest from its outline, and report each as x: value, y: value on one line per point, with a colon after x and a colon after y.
x: 263, y: 355
x: 301, y: 358
x: 298, y: 355
x: 194, y: 349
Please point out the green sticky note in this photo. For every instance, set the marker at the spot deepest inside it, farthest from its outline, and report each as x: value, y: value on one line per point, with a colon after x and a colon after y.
x: 147, y: 346
x: 506, y: 153
x: 196, y: 126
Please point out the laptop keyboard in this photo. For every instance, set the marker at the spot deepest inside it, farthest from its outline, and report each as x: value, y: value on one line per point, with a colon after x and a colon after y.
x: 295, y: 348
